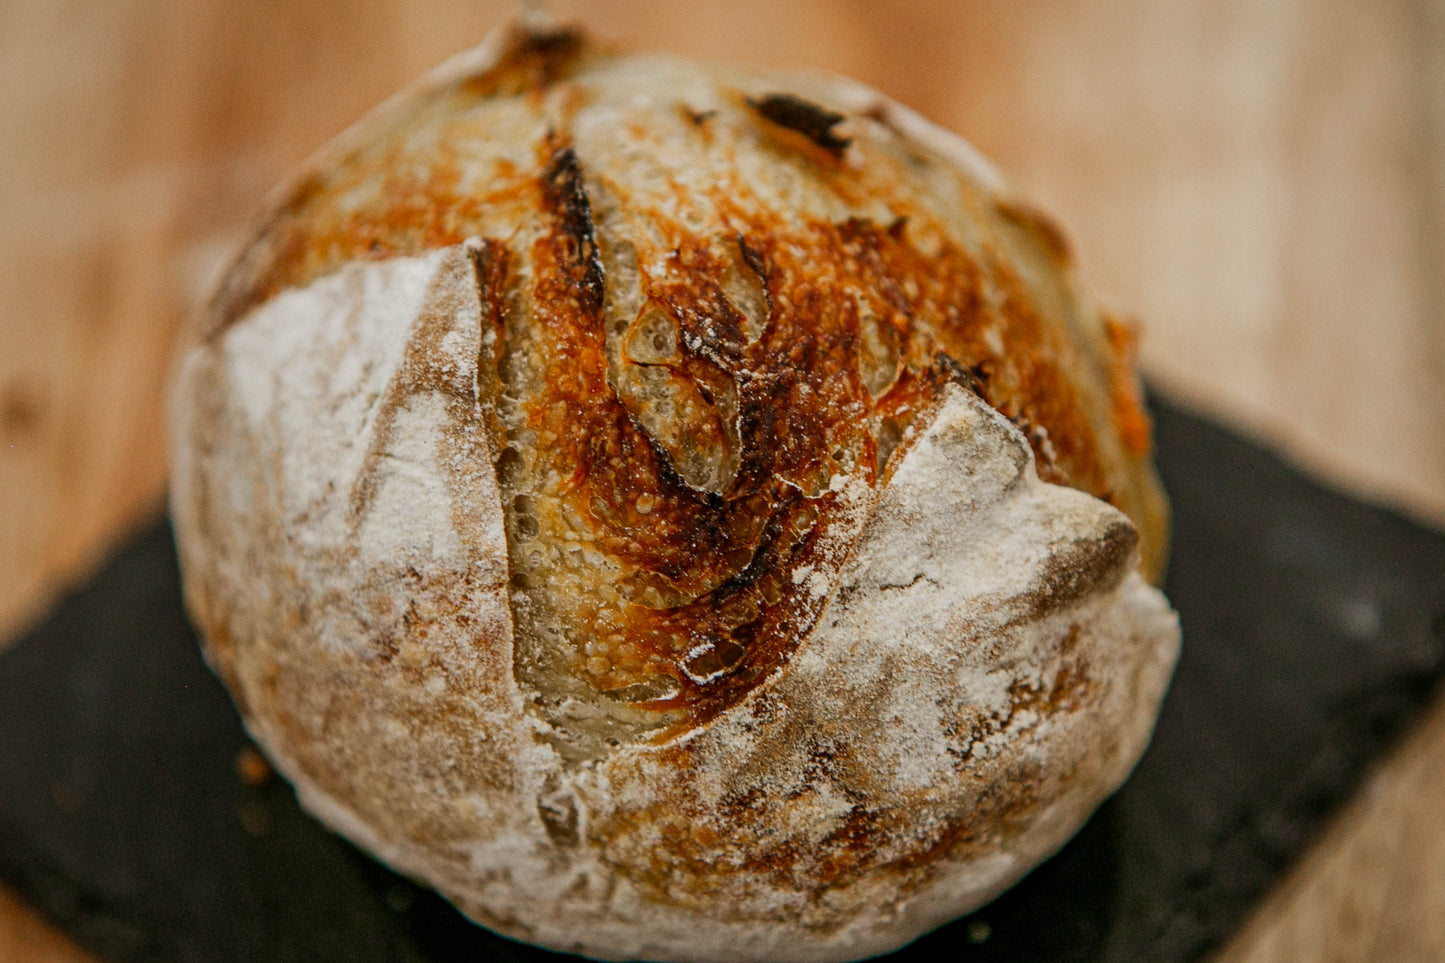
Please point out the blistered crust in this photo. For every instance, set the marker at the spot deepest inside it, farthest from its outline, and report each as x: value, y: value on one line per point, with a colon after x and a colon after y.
x: 611, y: 490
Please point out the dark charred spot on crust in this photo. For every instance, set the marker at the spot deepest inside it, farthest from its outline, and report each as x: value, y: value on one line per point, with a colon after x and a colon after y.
x: 565, y: 196
x: 807, y: 118
x: 532, y: 59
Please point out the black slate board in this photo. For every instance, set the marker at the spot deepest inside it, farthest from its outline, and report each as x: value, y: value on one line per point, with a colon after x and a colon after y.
x: 1314, y: 627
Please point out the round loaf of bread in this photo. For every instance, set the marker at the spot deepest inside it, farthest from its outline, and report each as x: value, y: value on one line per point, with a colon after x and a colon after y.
x: 678, y: 513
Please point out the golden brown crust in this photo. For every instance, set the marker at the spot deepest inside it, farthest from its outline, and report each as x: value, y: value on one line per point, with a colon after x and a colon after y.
x: 645, y: 478
x: 309, y: 232
x: 861, y: 318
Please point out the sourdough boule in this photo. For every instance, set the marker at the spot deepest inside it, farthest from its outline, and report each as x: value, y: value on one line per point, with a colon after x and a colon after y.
x: 678, y: 513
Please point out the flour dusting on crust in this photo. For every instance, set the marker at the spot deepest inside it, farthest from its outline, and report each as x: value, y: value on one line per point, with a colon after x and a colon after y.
x: 668, y: 509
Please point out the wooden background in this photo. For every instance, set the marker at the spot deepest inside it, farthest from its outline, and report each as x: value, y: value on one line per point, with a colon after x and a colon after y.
x: 1262, y: 181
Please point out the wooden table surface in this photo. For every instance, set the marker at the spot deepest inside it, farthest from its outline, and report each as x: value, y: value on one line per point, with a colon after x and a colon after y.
x: 1262, y: 181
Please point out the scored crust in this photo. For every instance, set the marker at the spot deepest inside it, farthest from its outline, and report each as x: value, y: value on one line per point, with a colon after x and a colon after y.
x: 678, y: 513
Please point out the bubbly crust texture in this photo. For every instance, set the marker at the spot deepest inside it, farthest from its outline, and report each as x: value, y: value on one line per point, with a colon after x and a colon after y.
x: 679, y: 513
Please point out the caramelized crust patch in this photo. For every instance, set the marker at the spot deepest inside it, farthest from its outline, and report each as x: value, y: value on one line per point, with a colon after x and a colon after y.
x: 312, y: 233
x: 1124, y: 391
x: 691, y: 392
x: 408, y: 191
x: 675, y: 594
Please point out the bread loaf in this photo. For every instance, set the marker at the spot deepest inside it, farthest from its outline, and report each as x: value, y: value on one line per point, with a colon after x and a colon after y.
x: 678, y: 513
